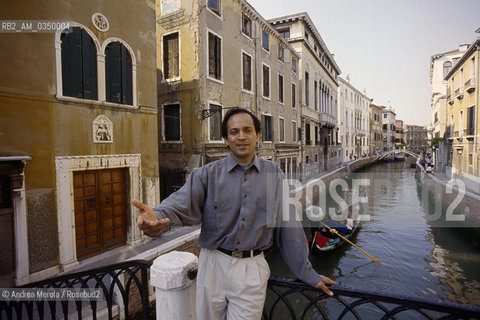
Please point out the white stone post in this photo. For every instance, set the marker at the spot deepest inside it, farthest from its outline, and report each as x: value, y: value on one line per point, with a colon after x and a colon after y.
x: 174, y: 291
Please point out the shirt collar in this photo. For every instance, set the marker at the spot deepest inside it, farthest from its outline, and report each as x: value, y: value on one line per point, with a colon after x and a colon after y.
x: 232, y: 163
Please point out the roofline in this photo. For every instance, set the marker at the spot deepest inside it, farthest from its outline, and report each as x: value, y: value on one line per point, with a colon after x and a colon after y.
x: 340, y: 79
x: 474, y: 46
x: 266, y: 23
x: 306, y: 18
x: 448, y: 52
x: 440, y: 55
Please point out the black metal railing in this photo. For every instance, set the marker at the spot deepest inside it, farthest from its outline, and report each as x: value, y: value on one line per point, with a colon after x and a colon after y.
x: 124, y: 286
x: 289, y: 299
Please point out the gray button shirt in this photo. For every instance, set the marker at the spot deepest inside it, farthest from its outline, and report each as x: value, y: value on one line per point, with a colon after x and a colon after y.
x: 240, y: 208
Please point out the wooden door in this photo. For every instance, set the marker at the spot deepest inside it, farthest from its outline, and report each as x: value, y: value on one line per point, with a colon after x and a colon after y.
x: 100, y: 211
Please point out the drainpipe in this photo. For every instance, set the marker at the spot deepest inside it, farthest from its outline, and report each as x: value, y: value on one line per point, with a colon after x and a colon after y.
x: 476, y: 102
x: 255, y: 39
x: 203, y: 69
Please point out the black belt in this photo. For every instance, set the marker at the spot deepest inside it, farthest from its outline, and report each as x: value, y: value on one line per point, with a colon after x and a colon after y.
x: 241, y: 254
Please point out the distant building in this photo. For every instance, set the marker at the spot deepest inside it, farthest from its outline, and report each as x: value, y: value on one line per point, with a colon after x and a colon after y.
x: 399, y: 134
x: 416, y: 138
x: 463, y: 114
x: 388, y: 128
x: 317, y: 72
x: 440, y: 66
x: 213, y: 56
x: 376, y: 133
x: 354, y: 120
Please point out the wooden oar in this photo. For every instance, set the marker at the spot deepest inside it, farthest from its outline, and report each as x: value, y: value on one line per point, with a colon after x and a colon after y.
x: 353, y: 244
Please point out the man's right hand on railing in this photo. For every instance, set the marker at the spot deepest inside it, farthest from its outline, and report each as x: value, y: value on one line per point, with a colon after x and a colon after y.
x: 147, y: 220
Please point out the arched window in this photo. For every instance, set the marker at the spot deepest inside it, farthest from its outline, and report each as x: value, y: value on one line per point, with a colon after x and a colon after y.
x: 118, y: 74
x: 447, y: 66
x: 79, y: 64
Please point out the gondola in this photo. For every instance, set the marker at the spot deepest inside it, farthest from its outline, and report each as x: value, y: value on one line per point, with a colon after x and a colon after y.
x: 323, y: 240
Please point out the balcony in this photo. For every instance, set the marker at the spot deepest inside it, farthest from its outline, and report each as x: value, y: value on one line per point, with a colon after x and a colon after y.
x: 459, y: 93
x: 470, y: 85
x: 449, y: 96
x: 327, y: 119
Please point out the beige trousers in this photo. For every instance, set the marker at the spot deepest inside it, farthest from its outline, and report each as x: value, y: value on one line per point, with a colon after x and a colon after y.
x: 230, y: 288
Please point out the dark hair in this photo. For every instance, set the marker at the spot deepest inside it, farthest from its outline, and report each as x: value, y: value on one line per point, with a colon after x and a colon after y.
x: 234, y: 111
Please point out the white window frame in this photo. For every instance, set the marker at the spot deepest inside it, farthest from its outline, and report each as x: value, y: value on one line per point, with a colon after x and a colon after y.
x: 101, y: 87
x: 221, y: 57
x: 269, y: 82
x: 250, y: 37
x: 294, y: 131
x: 268, y: 37
x: 251, y: 71
x: 217, y: 14
x: 283, y: 89
x: 280, y: 48
x: 294, y: 92
x: 263, y: 126
x: 280, y: 119
x: 472, y: 68
x: 179, y: 57
x: 163, y: 122
x: 217, y: 104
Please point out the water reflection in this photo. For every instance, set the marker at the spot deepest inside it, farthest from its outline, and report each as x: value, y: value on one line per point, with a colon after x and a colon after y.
x: 417, y: 259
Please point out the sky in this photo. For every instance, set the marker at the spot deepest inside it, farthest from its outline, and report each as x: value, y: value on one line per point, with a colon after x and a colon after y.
x: 385, y: 46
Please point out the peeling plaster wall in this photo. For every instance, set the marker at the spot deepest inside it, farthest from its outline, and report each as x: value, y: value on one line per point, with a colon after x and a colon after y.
x: 42, y: 231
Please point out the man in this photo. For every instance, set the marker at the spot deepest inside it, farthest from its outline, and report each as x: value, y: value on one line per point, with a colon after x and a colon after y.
x: 238, y: 201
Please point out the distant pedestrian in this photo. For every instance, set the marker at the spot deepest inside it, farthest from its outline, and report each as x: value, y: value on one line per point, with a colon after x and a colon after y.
x: 429, y: 162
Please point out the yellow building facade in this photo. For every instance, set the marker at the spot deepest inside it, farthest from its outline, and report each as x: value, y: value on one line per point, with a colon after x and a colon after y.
x: 215, y: 55
x: 463, y: 115
x: 78, y: 133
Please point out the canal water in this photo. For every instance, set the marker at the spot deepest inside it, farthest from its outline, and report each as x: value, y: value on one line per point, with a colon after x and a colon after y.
x: 417, y: 258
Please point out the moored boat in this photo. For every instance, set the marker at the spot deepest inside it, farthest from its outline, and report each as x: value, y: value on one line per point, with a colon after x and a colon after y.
x: 324, y: 239
x: 389, y: 158
x: 399, y: 156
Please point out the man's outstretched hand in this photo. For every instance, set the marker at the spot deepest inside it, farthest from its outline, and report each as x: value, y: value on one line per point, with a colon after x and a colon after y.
x: 147, y: 219
x: 323, y: 285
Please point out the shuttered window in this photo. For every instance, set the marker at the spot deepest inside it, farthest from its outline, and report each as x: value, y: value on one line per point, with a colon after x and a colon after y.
x: 266, y: 81
x: 79, y: 65
x: 171, y: 57
x: 267, y: 128
x: 118, y: 74
x: 214, y: 56
x: 247, y: 72
x: 215, y: 123
x: 171, y: 121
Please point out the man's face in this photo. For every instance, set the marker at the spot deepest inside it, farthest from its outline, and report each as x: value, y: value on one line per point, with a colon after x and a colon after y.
x: 242, y: 137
